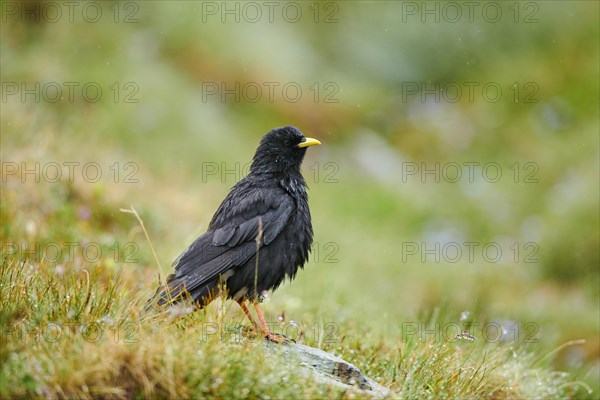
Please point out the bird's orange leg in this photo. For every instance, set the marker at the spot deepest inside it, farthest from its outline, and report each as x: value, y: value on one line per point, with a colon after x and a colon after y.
x: 271, y: 336
x: 247, y: 312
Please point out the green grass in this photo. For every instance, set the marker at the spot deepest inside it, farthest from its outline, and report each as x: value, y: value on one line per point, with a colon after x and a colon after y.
x: 79, y: 334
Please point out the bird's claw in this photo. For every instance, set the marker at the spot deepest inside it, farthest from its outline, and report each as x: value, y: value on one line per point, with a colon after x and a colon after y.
x: 273, y: 337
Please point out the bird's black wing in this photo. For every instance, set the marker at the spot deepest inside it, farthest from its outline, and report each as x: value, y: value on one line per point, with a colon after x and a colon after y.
x: 231, y: 238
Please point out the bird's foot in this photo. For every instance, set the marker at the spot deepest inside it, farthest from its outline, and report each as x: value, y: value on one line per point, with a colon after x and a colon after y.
x: 253, y: 332
x: 274, y: 337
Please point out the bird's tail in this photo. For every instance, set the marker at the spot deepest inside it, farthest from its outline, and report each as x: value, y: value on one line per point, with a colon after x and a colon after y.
x: 175, y: 293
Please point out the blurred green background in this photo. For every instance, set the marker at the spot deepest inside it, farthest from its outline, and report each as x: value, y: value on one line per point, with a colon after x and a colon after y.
x: 174, y: 97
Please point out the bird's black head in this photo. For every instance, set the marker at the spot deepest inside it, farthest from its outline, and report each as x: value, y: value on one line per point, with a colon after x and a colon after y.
x: 281, y: 150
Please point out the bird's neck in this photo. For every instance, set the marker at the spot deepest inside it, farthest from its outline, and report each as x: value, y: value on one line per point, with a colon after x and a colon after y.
x: 280, y: 169
x: 288, y: 178
x: 281, y: 176
x: 295, y: 185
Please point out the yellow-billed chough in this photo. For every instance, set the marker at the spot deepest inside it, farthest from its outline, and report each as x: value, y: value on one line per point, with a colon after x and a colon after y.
x: 265, y: 216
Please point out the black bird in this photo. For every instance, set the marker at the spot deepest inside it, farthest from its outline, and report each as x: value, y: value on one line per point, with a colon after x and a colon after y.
x: 261, y: 233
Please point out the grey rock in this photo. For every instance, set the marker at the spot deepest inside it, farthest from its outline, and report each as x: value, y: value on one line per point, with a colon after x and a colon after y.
x: 326, y: 367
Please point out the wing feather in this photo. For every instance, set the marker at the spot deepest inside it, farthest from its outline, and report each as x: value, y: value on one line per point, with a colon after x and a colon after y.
x: 230, y: 245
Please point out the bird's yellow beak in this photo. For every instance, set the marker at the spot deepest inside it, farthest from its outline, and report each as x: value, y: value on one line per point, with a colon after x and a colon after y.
x: 308, y: 142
